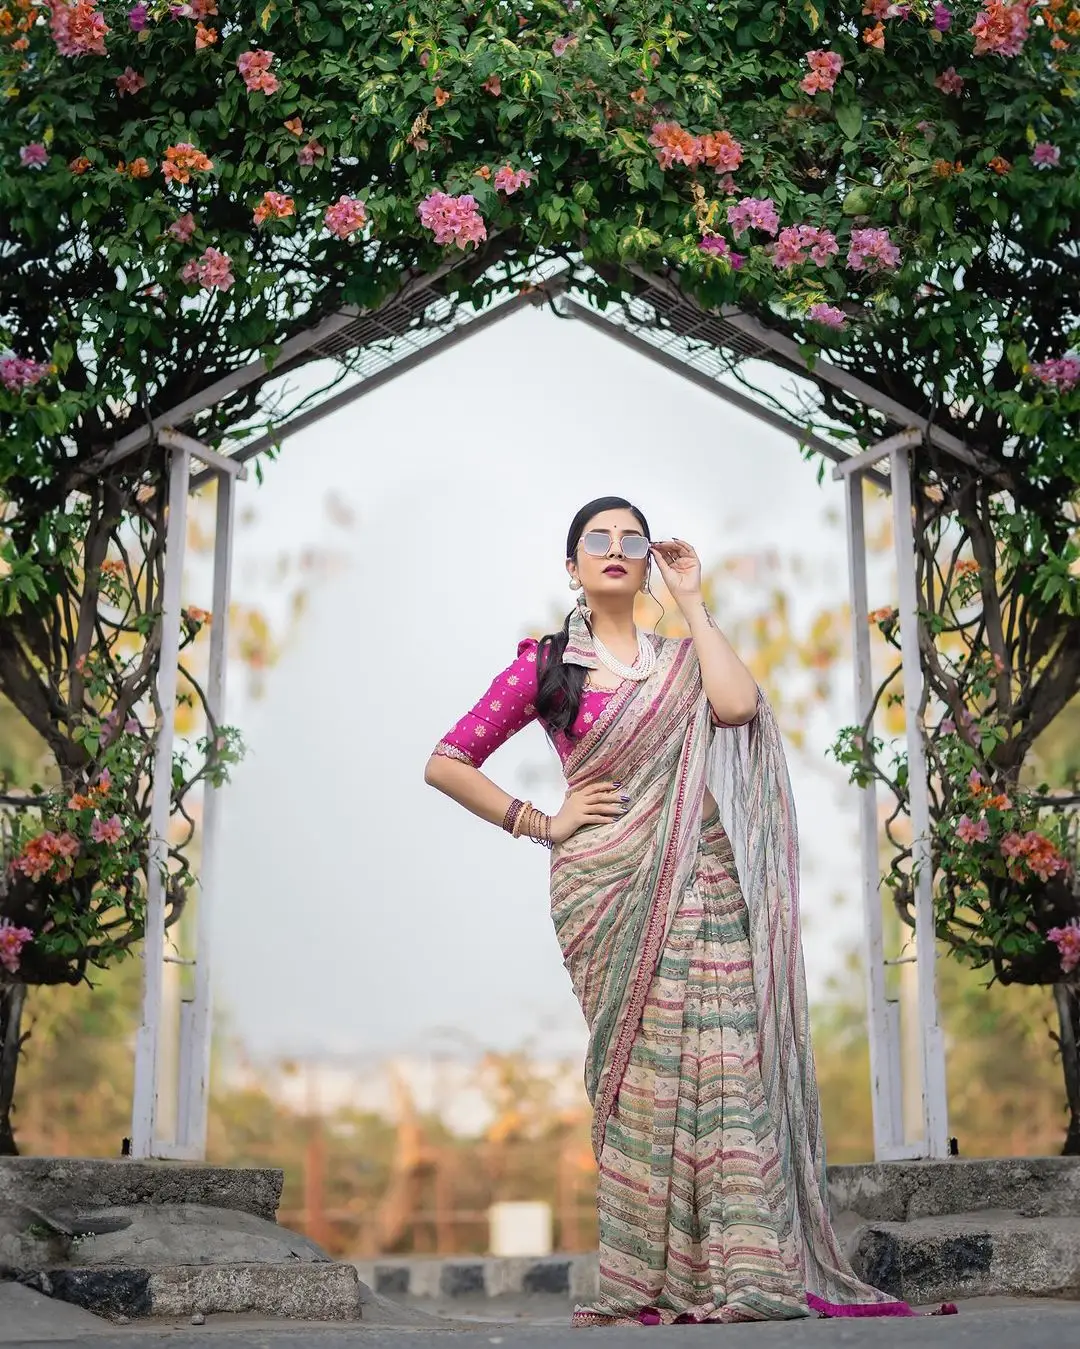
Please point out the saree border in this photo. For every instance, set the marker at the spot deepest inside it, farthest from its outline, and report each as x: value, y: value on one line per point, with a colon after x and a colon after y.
x: 621, y: 697
x: 654, y: 935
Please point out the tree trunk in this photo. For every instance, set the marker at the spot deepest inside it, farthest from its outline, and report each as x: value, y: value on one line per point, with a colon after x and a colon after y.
x: 1067, y: 997
x: 12, y: 998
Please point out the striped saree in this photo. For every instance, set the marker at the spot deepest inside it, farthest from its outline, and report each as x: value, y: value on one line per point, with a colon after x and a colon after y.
x: 681, y: 938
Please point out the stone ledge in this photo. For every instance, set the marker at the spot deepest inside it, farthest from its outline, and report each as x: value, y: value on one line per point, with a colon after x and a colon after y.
x: 70, y: 1184
x: 981, y: 1255
x: 1036, y: 1187
x: 311, y: 1292
x: 572, y: 1276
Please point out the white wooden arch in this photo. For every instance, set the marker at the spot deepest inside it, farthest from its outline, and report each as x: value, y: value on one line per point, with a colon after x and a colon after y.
x: 663, y: 325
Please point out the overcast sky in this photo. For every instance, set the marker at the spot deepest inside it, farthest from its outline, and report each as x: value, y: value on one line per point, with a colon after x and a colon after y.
x: 359, y: 910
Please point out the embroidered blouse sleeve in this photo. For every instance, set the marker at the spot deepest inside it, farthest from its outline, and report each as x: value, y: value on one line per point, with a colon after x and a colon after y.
x: 507, y: 706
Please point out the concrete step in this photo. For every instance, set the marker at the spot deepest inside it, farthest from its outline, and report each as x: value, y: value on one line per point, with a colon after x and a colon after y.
x: 575, y: 1277
x: 327, y: 1291
x: 67, y: 1185
x: 892, y: 1192
x: 987, y: 1254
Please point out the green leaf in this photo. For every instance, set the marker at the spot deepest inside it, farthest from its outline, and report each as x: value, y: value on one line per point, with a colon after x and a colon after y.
x: 849, y: 119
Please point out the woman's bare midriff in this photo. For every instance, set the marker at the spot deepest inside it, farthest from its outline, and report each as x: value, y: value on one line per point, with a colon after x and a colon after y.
x: 708, y: 806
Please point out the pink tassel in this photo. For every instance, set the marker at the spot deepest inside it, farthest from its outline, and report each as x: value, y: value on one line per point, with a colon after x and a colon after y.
x: 830, y: 1309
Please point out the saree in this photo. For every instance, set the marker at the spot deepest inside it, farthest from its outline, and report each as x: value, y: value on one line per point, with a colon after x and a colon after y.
x: 681, y: 938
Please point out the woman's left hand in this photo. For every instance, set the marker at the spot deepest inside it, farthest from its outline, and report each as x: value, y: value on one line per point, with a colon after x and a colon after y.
x: 680, y: 567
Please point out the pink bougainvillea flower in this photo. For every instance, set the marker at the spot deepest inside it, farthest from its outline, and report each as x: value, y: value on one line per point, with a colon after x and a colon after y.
x: 1033, y: 851
x: 562, y: 45
x: 183, y: 227
x: 1045, y: 155
x: 181, y: 160
x: 78, y: 29
x: 1061, y: 372
x: 971, y: 831
x: 825, y: 66
x: 757, y: 213
x: 942, y: 18
x: 309, y: 153
x: 204, y: 9
x: 510, y: 180
x: 493, y: 85
x: 138, y: 18
x: 827, y: 314
x: 213, y: 271
x: 48, y: 852
x: 949, y: 82
x: 720, y: 150
x: 33, y: 156
x: 345, y: 217
x: 673, y: 145
x: 871, y: 250
x: 130, y: 82
x: 254, y: 68
x: 798, y: 242
x: 720, y: 248
x: 878, y: 8
x: 18, y: 373
x: 274, y: 206
x: 12, y: 941
x: 204, y: 37
x: 453, y: 220
x: 107, y: 831
x: 1066, y: 939
x: 1002, y: 28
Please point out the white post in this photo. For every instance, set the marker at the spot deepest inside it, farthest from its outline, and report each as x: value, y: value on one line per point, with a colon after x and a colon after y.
x: 195, y: 1068
x: 935, y: 1101
x: 882, y: 1013
x: 147, y: 1039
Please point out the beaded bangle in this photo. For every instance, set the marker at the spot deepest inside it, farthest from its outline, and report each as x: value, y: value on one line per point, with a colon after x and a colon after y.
x: 520, y: 818
x: 513, y: 810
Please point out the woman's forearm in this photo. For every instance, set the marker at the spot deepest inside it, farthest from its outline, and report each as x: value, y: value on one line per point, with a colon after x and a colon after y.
x: 729, y: 686
x: 468, y: 787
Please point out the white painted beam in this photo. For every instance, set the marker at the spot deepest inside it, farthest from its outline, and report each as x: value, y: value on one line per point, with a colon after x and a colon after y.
x: 935, y: 1101
x: 147, y: 1038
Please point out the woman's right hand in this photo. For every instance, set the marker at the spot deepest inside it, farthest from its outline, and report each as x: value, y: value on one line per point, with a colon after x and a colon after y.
x: 595, y: 803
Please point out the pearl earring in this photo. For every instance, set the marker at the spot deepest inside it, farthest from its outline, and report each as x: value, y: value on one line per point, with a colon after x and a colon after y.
x: 575, y: 584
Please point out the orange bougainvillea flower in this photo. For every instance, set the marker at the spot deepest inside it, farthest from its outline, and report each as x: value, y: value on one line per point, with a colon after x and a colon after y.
x: 181, y: 160
x: 295, y: 125
x: 204, y: 37
x: 881, y: 615
x: 493, y: 85
x: 274, y: 206
x: 139, y: 168
x: 191, y: 613
x: 441, y: 97
x: 80, y: 165
x: 673, y: 145
x: 483, y: 171
x: 875, y: 37
x: 999, y: 164
x: 639, y: 95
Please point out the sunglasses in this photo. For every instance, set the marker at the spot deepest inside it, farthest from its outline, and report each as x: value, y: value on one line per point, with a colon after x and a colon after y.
x: 597, y: 543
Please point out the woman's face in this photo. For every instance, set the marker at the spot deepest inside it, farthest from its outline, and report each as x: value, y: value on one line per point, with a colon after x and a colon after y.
x: 612, y: 572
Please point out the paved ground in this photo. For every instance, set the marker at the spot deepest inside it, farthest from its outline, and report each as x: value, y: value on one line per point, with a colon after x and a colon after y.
x: 31, y: 1320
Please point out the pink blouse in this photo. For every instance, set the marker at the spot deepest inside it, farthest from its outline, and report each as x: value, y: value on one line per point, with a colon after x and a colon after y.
x: 507, y: 706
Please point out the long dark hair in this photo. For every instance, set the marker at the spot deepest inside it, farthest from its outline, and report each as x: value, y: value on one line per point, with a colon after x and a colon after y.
x: 559, y: 686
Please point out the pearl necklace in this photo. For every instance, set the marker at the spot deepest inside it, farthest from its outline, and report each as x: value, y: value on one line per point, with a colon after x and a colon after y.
x: 643, y: 665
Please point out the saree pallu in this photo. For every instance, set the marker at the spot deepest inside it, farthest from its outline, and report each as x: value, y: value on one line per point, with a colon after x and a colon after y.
x: 681, y: 939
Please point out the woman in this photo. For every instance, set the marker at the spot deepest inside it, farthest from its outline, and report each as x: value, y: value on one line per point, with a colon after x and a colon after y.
x: 711, y: 1164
